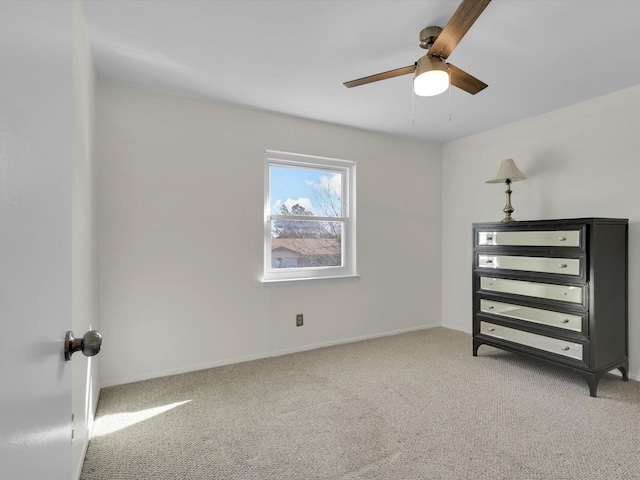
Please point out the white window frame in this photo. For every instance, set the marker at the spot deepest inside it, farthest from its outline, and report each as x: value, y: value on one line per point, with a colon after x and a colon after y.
x: 348, y: 171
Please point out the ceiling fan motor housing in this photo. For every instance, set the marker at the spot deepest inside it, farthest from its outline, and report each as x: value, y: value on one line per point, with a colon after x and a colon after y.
x: 428, y: 36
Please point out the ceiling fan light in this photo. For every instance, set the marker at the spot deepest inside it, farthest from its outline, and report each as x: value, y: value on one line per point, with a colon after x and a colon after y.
x: 431, y: 77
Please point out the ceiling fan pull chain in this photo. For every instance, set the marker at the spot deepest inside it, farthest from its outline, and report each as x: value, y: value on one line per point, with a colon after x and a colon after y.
x: 413, y: 107
x: 449, y: 102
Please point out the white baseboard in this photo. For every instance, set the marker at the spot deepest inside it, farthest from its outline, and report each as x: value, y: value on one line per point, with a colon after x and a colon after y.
x: 275, y: 353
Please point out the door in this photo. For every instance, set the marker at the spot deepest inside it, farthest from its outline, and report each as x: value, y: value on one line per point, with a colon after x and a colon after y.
x: 36, y: 190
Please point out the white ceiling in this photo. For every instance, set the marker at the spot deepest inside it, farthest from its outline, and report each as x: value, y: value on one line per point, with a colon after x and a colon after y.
x: 292, y: 56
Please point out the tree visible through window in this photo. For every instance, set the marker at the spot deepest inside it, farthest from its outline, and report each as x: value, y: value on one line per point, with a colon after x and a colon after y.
x: 309, y: 217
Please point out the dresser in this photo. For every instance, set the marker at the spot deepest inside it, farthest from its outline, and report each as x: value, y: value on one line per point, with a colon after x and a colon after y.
x: 555, y: 290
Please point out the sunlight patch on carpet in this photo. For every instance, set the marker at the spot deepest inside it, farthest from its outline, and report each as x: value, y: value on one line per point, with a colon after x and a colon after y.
x: 112, y: 423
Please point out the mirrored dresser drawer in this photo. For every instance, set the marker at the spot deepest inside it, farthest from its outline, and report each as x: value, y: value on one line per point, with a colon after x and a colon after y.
x: 540, y: 342
x: 540, y: 316
x: 544, y: 238
x: 562, y: 266
x: 543, y: 291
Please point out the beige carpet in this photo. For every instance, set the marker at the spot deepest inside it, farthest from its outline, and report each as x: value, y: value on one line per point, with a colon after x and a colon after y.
x: 411, y: 406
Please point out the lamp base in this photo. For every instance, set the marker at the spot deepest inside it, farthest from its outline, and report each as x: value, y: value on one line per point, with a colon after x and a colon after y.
x: 508, y: 209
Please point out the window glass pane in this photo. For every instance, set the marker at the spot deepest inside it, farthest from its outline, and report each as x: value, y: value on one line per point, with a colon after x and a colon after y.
x: 303, y: 244
x: 305, y: 191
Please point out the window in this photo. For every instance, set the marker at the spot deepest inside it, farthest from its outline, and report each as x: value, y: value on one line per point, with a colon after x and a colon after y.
x: 309, y: 217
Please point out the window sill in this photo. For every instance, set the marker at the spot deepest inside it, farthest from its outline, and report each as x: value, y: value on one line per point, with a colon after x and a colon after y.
x: 289, y: 281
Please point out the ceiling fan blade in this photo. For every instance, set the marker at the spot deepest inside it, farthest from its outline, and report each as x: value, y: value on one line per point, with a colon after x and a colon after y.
x: 464, y: 81
x: 459, y: 24
x: 381, y: 76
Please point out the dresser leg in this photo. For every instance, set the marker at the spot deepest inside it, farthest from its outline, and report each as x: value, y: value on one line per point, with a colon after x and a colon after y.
x: 593, y: 387
x: 592, y: 381
x: 625, y: 373
x: 476, y: 345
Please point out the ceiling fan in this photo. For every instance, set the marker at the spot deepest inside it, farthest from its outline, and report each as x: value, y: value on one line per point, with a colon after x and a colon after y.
x: 432, y: 73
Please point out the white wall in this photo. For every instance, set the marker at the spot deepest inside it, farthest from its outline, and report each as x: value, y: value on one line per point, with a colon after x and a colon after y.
x: 84, y: 236
x: 181, y: 228
x: 581, y: 161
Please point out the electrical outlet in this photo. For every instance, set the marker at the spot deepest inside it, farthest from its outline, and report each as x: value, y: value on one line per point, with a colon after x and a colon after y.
x: 299, y: 320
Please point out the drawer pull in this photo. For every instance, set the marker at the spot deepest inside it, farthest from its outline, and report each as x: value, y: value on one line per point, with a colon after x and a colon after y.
x: 562, y: 265
x: 564, y: 320
x: 489, y: 237
x: 490, y: 307
x: 565, y: 348
x: 488, y: 261
x: 562, y: 239
x: 491, y: 329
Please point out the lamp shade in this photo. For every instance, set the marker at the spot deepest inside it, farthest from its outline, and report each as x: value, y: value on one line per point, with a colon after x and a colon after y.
x: 507, y: 170
x: 431, y: 76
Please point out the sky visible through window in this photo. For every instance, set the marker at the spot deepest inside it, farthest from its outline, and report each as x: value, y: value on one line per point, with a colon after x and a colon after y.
x: 292, y: 185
